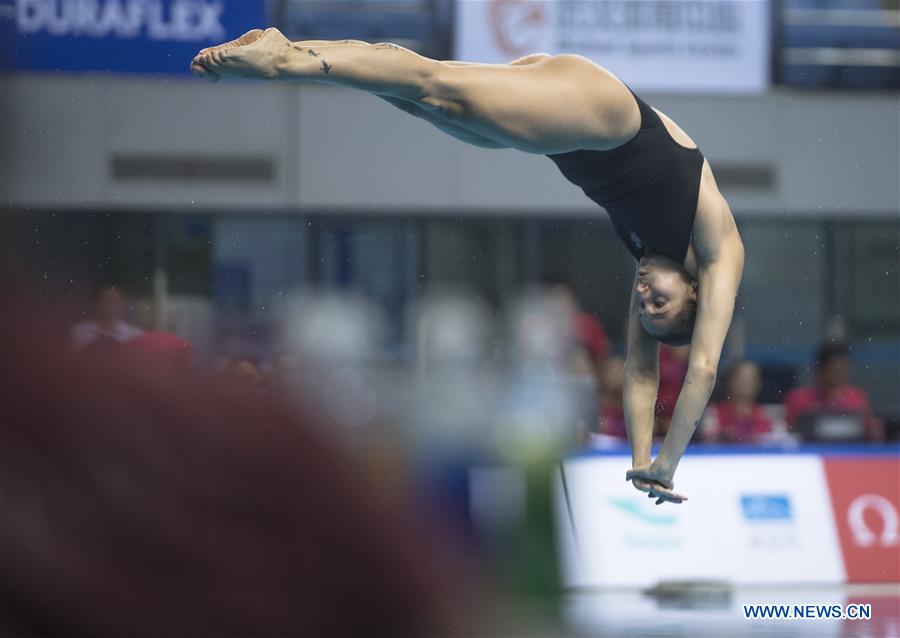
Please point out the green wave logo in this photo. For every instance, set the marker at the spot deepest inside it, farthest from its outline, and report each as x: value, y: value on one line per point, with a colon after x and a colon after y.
x: 638, y: 510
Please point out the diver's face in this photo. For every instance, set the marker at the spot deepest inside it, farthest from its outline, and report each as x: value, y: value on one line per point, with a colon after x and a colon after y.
x: 662, y: 289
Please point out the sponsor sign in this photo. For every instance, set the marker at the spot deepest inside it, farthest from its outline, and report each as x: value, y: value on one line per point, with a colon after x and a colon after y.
x: 750, y: 519
x: 770, y: 521
x: 617, y: 537
x: 766, y: 507
x: 866, y: 498
x: 716, y: 46
x: 132, y: 36
x: 771, y: 518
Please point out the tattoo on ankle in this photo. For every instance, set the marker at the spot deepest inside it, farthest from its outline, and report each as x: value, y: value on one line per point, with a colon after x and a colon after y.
x: 312, y: 53
x: 325, y: 68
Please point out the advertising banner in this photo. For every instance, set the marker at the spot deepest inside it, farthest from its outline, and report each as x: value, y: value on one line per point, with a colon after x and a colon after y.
x: 750, y: 519
x: 126, y: 36
x: 772, y: 518
x: 619, y: 538
x: 698, y: 46
x: 866, y: 498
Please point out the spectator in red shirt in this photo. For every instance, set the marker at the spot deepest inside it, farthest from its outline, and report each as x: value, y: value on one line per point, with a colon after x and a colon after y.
x: 737, y: 419
x: 832, y: 392
x: 107, y: 330
x: 166, y: 351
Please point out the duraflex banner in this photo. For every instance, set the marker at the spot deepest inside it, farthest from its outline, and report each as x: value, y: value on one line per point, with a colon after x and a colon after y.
x: 129, y: 36
x: 697, y: 46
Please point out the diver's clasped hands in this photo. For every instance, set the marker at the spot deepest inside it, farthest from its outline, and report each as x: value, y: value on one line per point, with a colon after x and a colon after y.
x: 656, y: 480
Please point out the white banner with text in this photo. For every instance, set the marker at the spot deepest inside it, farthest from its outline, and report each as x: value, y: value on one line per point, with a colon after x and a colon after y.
x: 671, y: 46
x: 750, y: 519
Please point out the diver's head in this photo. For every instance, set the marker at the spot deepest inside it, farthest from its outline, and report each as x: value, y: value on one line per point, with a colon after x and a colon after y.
x: 667, y: 295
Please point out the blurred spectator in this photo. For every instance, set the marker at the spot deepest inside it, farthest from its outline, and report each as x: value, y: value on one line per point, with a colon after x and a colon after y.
x: 165, y: 351
x: 246, y: 371
x: 673, y: 365
x: 611, y: 421
x: 141, y: 504
x: 831, y: 394
x: 592, y: 344
x: 107, y: 330
x: 737, y: 419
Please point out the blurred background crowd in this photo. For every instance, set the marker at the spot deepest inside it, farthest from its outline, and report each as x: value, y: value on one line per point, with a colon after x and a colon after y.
x: 816, y: 400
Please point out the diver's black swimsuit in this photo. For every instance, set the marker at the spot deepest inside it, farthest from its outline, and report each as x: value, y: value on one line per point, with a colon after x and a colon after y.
x: 649, y: 186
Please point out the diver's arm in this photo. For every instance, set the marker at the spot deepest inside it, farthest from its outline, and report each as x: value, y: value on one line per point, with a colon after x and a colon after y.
x: 720, y: 255
x: 640, y: 387
x: 639, y: 398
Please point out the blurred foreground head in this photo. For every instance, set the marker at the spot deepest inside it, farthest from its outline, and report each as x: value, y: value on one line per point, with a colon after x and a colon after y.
x: 140, y: 503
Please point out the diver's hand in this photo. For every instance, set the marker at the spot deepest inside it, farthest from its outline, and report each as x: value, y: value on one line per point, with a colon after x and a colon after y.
x: 656, y: 482
x: 255, y: 55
